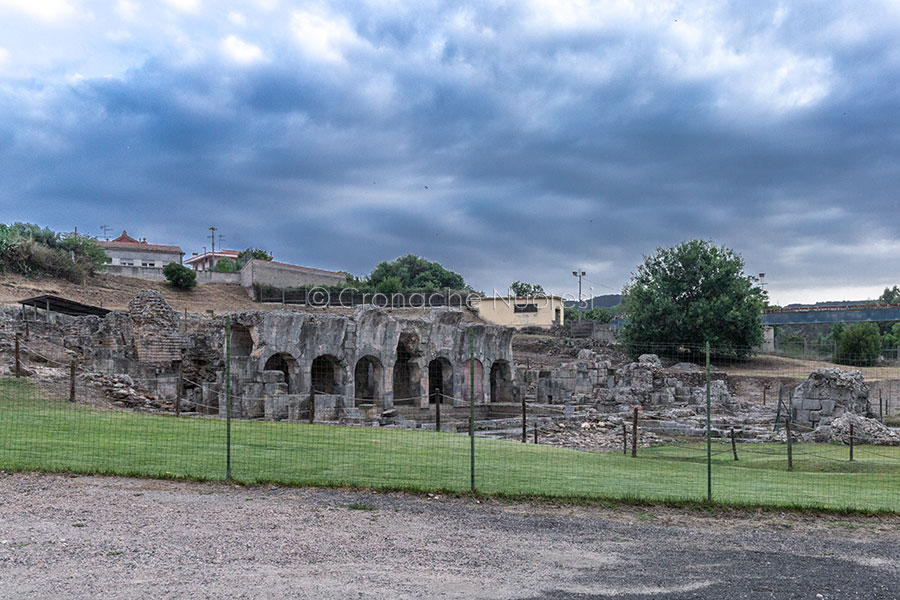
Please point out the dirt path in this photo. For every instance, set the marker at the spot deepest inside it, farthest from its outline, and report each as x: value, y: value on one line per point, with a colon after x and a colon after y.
x: 89, y: 537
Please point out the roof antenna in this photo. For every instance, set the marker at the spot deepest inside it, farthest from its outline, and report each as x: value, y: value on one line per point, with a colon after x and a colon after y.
x: 106, y: 229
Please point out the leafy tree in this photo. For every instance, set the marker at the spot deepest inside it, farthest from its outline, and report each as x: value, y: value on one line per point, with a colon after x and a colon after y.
x: 890, y: 296
x: 389, y: 285
x: 249, y: 254
x: 413, y: 273
x: 859, y: 344
x: 693, y: 293
x: 226, y: 265
x: 891, y: 339
x: 598, y: 314
x: 180, y: 276
x: 522, y: 289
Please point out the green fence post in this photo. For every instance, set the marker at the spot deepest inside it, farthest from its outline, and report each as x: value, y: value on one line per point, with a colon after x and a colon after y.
x: 708, y: 433
x: 228, y: 397
x: 472, y: 409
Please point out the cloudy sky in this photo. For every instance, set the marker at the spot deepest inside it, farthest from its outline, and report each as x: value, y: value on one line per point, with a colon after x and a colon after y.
x: 509, y: 141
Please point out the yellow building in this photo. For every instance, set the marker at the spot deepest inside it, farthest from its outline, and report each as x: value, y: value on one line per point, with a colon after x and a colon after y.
x: 533, y: 311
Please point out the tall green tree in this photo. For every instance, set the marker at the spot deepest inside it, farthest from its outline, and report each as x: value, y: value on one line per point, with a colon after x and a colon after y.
x: 890, y: 296
x: 690, y: 294
x: 413, y: 273
x: 524, y: 290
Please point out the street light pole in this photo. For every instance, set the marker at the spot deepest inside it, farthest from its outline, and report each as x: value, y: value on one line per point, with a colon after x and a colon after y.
x: 212, y: 236
x: 579, y: 275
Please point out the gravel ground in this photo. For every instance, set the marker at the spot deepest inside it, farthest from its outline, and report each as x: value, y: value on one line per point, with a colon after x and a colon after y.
x: 90, y: 537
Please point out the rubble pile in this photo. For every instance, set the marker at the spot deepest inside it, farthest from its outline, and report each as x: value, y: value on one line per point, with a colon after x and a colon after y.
x: 602, y: 433
x: 865, y: 431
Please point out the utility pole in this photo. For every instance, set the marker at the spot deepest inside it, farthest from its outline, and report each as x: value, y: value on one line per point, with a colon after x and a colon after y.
x: 212, y: 236
x: 579, y: 275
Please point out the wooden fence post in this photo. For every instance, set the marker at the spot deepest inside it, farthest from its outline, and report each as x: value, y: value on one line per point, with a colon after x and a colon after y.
x: 851, y: 442
x: 72, y: 382
x: 524, y: 420
x: 790, y: 449
x: 624, y: 438
x: 634, y: 433
x: 733, y: 444
x: 438, y: 396
x: 179, y: 390
x: 18, y: 364
x: 312, y: 404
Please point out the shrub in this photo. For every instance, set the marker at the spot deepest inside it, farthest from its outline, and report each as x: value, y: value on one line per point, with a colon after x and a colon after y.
x: 859, y: 344
x: 180, y: 276
x: 30, y: 250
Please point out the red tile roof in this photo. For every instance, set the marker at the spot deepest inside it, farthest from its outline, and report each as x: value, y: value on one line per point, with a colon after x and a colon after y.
x: 126, y: 242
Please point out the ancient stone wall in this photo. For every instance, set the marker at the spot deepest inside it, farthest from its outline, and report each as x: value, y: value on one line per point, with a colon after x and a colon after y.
x: 829, y: 393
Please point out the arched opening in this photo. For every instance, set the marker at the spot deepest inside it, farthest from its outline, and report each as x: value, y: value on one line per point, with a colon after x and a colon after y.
x: 501, y: 382
x: 479, y: 381
x: 241, y: 341
x: 325, y: 374
x: 440, y: 380
x: 368, y: 380
x: 284, y: 363
x: 406, y: 375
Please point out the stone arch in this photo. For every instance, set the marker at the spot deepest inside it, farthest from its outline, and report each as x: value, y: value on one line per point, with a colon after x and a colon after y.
x: 406, y: 373
x: 368, y: 381
x: 440, y: 378
x: 325, y: 374
x: 501, y: 382
x: 479, y: 381
x: 287, y: 364
x: 241, y: 341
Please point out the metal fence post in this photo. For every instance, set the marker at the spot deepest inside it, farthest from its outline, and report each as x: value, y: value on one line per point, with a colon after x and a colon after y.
x: 228, y: 397
x: 472, y: 409
x: 18, y: 364
x: 708, y: 431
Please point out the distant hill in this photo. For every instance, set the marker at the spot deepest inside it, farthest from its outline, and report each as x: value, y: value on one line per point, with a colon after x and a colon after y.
x: 605, y: 301
x: 829, y: 303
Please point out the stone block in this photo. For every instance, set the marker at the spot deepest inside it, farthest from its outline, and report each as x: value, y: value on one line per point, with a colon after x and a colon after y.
x: 827, y: 406
x: 811, y: 404
x: 272, y: 377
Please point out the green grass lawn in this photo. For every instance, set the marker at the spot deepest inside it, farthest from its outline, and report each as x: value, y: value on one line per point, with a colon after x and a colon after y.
x: 41, y: 434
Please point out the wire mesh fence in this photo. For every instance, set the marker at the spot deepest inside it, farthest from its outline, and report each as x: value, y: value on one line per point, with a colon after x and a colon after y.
x: 666, y: 422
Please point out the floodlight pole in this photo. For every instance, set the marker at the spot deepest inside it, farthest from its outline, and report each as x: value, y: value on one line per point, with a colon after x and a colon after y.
x: 579, y: 275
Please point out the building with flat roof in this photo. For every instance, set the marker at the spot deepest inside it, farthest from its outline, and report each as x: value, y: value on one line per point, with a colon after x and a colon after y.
x: 512, y: 311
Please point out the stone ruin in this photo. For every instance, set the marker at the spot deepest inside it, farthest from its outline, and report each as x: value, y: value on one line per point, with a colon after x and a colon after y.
x: 829, y: 393
x: 359, y: 367
x: 363, y: 366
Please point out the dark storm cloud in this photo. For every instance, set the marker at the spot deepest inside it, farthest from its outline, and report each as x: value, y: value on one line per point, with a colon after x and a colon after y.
x: 515, y: 142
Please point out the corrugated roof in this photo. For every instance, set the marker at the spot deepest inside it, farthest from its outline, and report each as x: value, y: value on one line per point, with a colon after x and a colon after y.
x: 64, y: 306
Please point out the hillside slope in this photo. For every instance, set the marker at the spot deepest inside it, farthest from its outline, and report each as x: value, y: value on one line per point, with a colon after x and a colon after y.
x: 115, y: 291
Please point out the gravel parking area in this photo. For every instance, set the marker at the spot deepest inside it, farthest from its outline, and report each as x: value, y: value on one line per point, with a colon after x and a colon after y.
x: 111, y: 537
